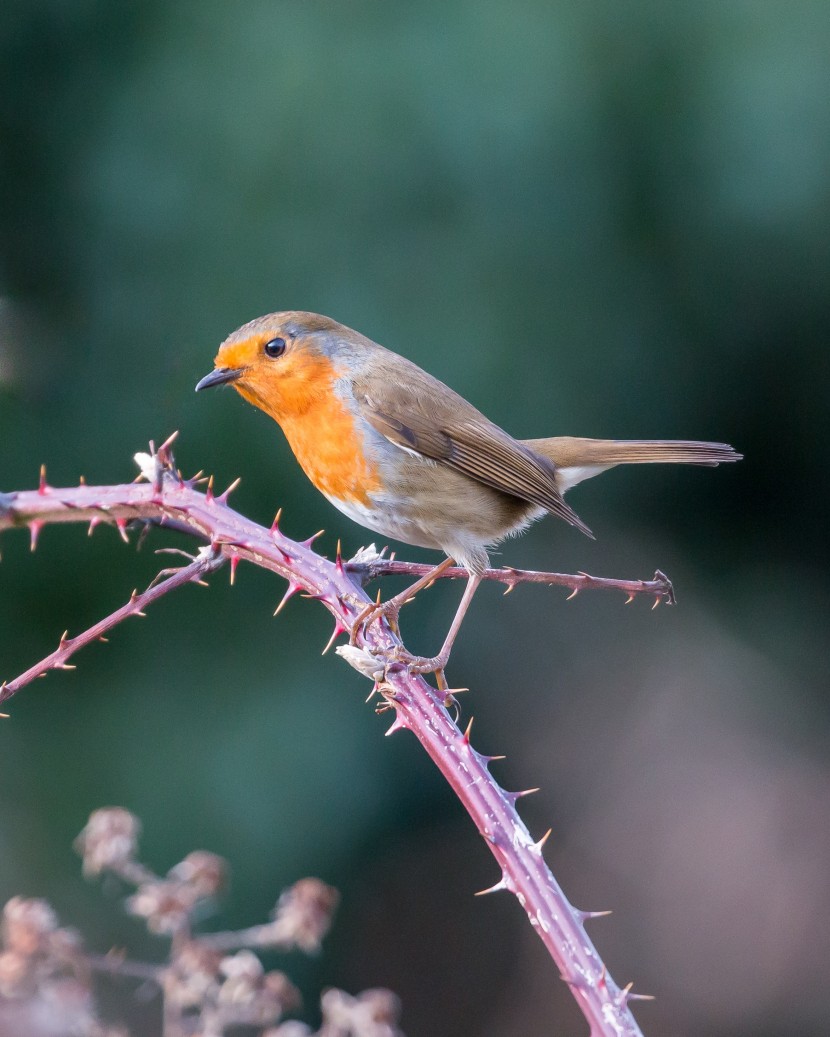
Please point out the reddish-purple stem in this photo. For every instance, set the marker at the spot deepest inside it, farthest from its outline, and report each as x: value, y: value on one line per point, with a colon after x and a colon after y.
x: 659, y: 585
x: 419, y: 707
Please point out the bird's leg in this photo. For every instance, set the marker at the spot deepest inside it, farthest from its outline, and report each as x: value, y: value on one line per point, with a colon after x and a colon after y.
x: 392, y: 607
x: 437, y: 663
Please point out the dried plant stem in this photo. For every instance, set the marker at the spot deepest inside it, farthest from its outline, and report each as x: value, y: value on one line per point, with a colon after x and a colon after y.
x: 170, y: 501
x: 659, y: 585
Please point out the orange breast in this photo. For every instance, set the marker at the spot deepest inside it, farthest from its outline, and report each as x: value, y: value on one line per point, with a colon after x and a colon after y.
x: 319, y: 426
x: 330, y: 450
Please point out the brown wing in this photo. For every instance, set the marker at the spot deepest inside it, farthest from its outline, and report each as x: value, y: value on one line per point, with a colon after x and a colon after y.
x: 428, y: 418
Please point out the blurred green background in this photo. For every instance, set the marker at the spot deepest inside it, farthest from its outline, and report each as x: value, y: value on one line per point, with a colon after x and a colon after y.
x: 590, y: 219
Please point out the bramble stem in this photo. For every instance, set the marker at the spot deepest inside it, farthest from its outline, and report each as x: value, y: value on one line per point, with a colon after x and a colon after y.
x: 168, y: 500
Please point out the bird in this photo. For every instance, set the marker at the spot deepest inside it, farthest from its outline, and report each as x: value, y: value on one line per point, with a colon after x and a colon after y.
x: 401, y: 453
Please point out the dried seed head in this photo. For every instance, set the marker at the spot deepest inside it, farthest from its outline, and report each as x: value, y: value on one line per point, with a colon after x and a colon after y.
x: 28, y: 926
x: 374, y: 1013
x: 165, y: 904
x: 193, y: 977
x: 303, y: 914
x: 109, y: 841
x: 206, y: 872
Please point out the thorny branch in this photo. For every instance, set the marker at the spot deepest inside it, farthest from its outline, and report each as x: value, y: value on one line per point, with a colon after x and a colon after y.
x: 169, y: 501
x: 659, y: 585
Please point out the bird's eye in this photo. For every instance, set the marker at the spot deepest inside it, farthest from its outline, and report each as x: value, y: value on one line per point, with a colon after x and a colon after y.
x: 274, y: 348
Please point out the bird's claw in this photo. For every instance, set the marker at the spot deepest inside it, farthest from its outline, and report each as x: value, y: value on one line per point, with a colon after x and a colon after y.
x: 388, y: 610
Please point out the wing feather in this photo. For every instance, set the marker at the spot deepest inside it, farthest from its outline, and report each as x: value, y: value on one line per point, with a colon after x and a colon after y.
x: 454, y: 433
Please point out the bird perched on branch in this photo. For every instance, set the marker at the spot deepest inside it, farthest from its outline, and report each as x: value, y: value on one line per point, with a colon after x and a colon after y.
x: 398, y: 451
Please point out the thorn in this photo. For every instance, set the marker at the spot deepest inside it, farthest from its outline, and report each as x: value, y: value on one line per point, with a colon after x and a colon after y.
x: 510, y: 588
x: 467, y: 732
x: 121, y: 526
x: 209, y: 491
x: 573, y: 594
x: 398, y: 724
x: 540, y: 844
x: 524, y: 792
x: 43, y: 485
x: 640, y: 997
x: 587, y: 916
x: 629, y: 599
x: 64, y: 666
x: 377, y: 599
x: 492, y: 759
x: 338, y: 630
x: 64, y: 639
x: 289, y: 594
x: 275, y: 525
x: 601, y: 982
x: 4, y: 716
x: 93, y: 522
x: 311, y: 539
x: 163, y: 454
x: 234, y: 560
x: 103, y: 639
x: 140, y: 614
x: 657, y: 601
x: 449, y: 697
x: 34, y: 531
x: 223, y: 497
x: 82, y: 481
x: 499, y: 886
x: 201, y: 583
x: 338, y: 558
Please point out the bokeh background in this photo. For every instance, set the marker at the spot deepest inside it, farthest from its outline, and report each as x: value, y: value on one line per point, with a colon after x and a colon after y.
x: 591, y: 219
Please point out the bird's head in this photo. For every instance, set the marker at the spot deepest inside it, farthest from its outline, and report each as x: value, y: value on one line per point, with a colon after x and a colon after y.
x: 282, y: 362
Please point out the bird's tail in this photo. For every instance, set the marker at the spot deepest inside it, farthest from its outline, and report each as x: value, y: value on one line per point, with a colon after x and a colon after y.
x: 578, y: 459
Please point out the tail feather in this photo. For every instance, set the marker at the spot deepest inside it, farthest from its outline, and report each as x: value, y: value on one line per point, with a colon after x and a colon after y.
x: 578, y: 459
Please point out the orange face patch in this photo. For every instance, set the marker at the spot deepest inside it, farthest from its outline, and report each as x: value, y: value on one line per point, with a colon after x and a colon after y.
x: 297, y: 391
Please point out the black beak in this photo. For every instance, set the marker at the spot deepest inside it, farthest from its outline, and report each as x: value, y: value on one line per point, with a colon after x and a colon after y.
x: 219, y: 377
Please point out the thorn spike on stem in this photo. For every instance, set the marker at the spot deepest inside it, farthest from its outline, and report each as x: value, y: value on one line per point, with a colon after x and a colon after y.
x: 467, y: 732
x: 398, y: 724
x: 573, y: 594
x: 338, y: 630
x: 209, y: 491
x: 93, y: 522
x: 524, y: 792
x: 587, y: 916
x: 629, y: 599
x: 540, y: 844
x: 338, y: 558
x: 289, y: 594
x: 275, y: 525
x: 234, y: 560
x: 34, y: 531
x: 311, y: 539
x: 43, y: 487
x: 657, y: 601
x: 509, y: 589
x: 499, y: 886
x: 82, y: 481
x: 223, y: 497
x: 121, y: 526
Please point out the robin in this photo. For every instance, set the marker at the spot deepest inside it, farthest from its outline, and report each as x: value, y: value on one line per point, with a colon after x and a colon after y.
x: 398, y: 451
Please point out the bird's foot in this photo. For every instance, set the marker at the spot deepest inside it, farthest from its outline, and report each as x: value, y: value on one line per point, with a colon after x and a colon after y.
x: 388, y: 610
x: 423, y: 664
